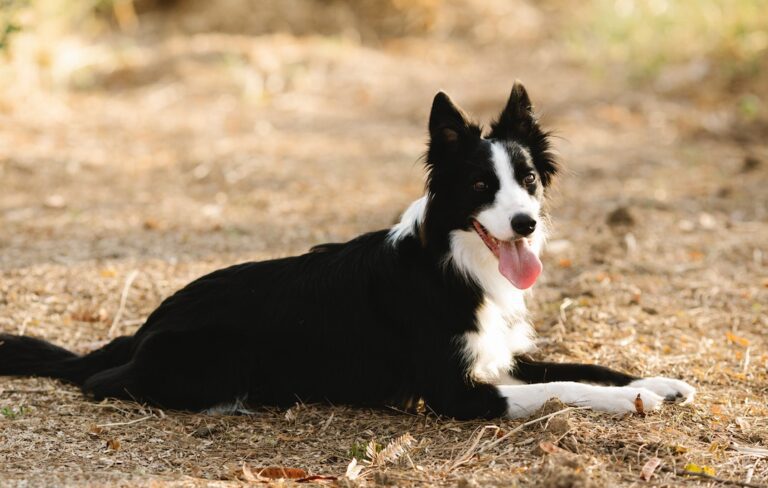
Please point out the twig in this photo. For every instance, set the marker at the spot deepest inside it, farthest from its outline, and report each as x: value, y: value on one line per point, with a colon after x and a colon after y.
x: 123, y: 298
x: 522, y: 426
x: 745, y: 363
x: 130, y: 422
x: 23, y: 326
x: 468, y: 454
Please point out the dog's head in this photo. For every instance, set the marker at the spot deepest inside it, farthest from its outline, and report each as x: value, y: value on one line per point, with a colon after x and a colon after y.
x: 486, y: 192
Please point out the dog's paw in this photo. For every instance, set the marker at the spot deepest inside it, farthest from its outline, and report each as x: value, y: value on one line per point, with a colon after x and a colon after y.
x: 672, y: 390
x: 624, y: 399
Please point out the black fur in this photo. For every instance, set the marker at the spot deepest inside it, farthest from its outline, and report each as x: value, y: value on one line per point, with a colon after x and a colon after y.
x: 365, y: 322
x: 518, y: 123
x: 530, y: 371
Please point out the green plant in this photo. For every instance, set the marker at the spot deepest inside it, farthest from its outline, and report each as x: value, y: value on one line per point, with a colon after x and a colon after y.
x: 645, y: 36
x: 11, y: 413
x: 9, y: 20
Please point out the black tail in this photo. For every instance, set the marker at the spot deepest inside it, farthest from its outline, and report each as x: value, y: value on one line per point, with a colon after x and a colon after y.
x: 27, y: 356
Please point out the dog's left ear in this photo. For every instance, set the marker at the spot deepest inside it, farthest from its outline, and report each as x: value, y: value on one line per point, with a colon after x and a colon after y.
x: 516, y: 120
x: 518, y: 123
x: 449, y: 126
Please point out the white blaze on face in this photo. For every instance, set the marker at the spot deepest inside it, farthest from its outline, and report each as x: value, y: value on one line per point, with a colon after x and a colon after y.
x: 518, y: 258
x: 511, y: 198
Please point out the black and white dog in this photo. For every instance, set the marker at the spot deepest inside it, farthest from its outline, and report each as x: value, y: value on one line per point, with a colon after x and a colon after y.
x: 430, y: 309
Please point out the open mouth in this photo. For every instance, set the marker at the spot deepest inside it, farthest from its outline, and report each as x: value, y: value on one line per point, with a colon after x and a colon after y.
x: 488, y: 239
x: 517, y: 262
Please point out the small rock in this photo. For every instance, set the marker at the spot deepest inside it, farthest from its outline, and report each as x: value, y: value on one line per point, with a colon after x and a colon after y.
x: 55, y: 201
x: 750, y: 163
x: 620, y: 217
x: 205, y: 431
x: 467, y: 483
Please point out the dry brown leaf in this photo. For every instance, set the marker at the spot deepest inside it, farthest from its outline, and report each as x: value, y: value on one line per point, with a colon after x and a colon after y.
x: 550, y: 447
x: 639, y: 407
x: 248, y: 474
x: 734, y: 339
x: 279, y: 472
x: 273, y: 473
x: 648, y: 469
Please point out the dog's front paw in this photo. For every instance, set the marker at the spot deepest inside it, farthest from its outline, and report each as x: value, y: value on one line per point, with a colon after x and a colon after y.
x: 672, y: 390
x: 624, y: 399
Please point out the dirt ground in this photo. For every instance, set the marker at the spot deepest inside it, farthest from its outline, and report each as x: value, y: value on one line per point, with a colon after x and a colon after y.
x: 181, y: 154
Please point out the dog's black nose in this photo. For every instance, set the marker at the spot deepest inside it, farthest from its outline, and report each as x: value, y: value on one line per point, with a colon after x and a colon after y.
x: 523, y: 224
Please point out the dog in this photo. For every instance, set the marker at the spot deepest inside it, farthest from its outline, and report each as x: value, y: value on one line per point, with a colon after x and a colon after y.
x: 432, y: 309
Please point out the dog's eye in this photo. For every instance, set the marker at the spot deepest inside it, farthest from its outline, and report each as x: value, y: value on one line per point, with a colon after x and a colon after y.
x: 529, y: 179
x: 479, y: 186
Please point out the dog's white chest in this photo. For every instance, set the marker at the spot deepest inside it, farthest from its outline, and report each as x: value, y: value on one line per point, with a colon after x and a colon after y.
x: 502, y: 333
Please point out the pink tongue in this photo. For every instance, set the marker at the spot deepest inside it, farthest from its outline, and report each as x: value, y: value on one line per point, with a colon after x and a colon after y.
x: 518, y: 263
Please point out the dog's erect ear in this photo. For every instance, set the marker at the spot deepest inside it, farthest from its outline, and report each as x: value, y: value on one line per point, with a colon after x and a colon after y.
x: 518, y: 123
x: 448, y: 125
x: 516, y: 120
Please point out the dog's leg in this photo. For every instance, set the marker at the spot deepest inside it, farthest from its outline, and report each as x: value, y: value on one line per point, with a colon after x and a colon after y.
x: 524, y: 400
x: 465, y: 401
x: 533, y: 372
x: 530, y: 371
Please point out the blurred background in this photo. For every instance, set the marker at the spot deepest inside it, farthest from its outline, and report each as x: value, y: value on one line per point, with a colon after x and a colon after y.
x: 146, y: 142
x: 136, y: 124
x: 196, y: 133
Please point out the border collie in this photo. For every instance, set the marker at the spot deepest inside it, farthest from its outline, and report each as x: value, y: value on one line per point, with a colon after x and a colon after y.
x: 432, y: 309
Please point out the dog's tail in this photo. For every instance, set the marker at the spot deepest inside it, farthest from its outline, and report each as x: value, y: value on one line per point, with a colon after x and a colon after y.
x: 27, y: 356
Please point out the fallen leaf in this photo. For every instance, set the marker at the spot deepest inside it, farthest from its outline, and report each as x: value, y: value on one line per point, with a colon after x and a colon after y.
x: 549, y: 447
x: 639, y: 408
x: 734, y: 339
x: 718, y: 446
x: 277, y: 472
x: 353, y: 470
x: 696, y: 469
x: 151, y: 224
x: 695, y: 255
x: 108, y: 273
x: 94, y: 430
x: 648, y: 469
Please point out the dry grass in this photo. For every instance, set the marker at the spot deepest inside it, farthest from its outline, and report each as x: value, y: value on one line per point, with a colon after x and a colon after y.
x: 184, y: 154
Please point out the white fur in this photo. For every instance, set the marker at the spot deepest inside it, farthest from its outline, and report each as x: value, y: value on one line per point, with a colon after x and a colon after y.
x: 499, y: 337
x: 524, y: 400
x: 502, y: 322
x: 409, y: 222
x: 668, y: 388
x: 511, y: 198
x: 503, y: 327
